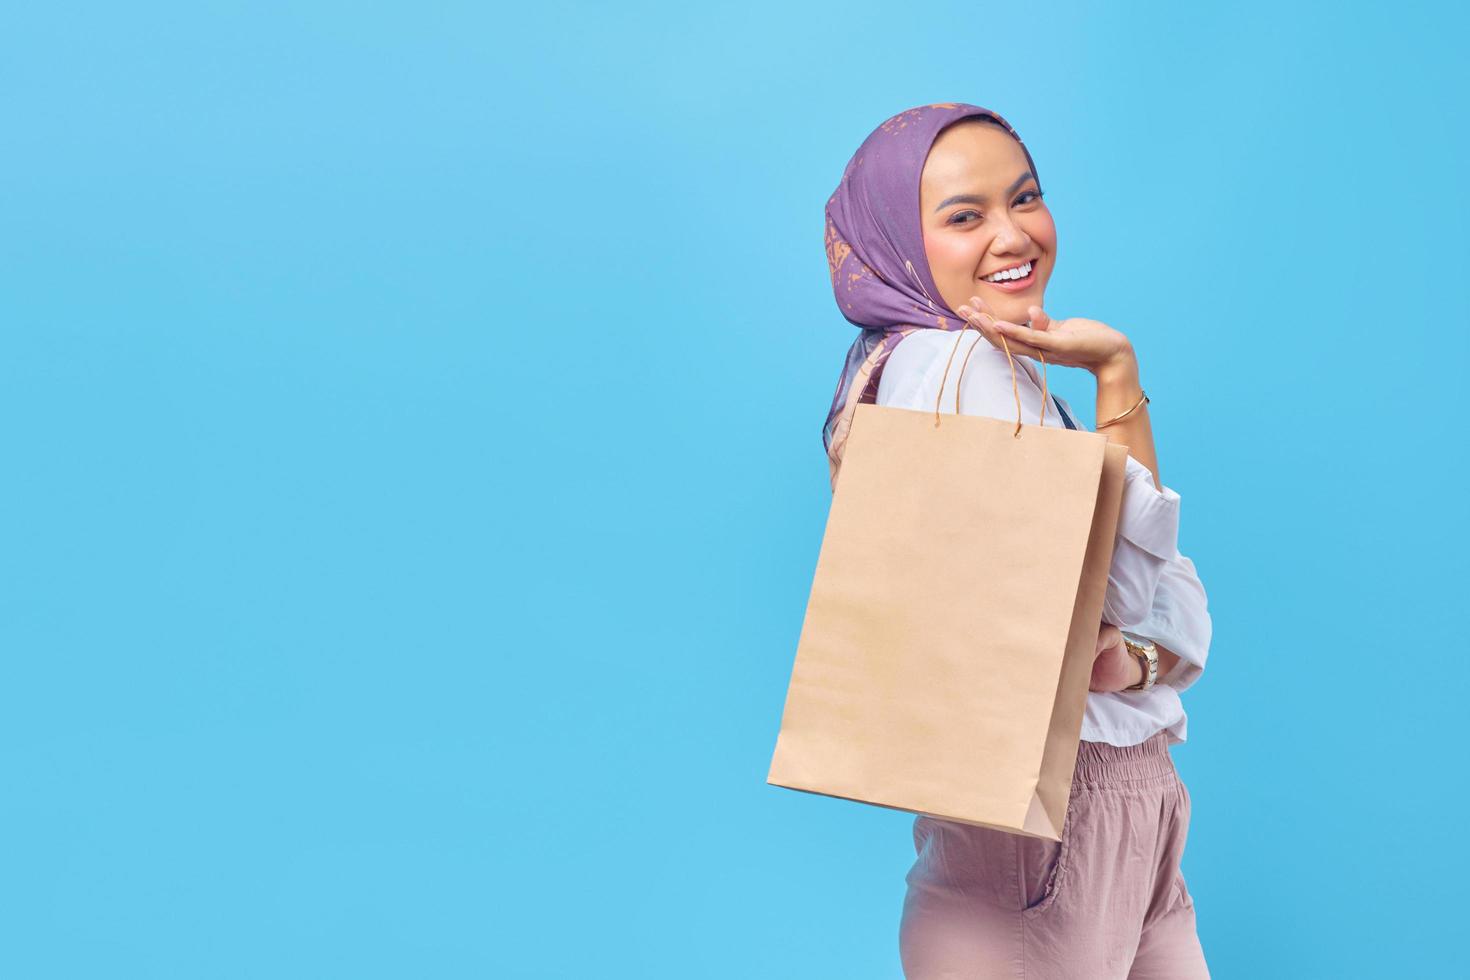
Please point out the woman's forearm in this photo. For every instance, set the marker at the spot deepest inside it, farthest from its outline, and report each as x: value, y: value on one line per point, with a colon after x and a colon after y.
x: 1168, y: 659
x: 1133, y: 672
x: 1118, y: 390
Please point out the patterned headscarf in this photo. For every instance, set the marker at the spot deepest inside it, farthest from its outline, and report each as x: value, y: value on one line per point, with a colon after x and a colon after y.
x: 875, y: 253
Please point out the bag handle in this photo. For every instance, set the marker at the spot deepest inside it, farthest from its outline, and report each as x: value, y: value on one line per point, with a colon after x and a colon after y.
x: 1015, y: 388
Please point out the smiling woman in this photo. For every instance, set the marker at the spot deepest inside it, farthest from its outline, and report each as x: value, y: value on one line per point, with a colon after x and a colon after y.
x: 938, y: 225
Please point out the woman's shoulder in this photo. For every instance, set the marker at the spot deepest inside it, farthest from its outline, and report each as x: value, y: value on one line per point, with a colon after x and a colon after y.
x: 929, y: 340
x: 906, y: 372
x: 919, y: 350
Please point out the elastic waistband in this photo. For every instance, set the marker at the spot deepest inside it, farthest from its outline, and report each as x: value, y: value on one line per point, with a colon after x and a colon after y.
x: 1099, y: 762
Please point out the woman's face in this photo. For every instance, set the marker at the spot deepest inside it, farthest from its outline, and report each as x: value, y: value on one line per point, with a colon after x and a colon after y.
x: 983, y: 214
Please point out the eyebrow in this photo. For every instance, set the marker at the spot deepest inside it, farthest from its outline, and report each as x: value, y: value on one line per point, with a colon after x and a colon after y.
x: 981, y: 198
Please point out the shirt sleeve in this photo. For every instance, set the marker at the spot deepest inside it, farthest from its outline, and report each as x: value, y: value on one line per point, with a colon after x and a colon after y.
x: 1180, y: 621
x: 1147, y: 540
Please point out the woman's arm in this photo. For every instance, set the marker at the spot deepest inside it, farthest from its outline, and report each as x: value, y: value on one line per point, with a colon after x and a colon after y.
x: 1180, y: 626
x: 1114, y: 668
x: 1168, y: 660
x: 1096, y: 347
x: 1180, y: 622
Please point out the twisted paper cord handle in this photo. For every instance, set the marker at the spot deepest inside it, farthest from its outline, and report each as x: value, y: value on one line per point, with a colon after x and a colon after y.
x: 960, y: 379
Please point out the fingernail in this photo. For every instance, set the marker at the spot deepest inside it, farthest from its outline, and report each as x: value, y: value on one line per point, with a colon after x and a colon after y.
x: 965, y: 312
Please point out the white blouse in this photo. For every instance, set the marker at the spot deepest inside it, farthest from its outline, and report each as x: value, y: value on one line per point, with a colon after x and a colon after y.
x: 1153, y: 590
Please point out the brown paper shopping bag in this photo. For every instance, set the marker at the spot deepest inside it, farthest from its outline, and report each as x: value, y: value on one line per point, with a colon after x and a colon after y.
x: 947, y: 647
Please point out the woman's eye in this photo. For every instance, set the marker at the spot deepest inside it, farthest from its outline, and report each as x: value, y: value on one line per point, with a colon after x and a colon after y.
x: 959, y: 214
x: 1032, y: 195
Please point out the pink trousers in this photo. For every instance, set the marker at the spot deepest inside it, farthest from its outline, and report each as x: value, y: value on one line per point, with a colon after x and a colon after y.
x: 1107, y: 902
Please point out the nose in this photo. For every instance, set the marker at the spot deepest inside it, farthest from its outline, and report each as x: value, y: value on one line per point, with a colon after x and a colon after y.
x: 1009, y: 238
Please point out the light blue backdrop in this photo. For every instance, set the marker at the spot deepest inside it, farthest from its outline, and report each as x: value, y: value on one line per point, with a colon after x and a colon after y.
x: 412, y: 478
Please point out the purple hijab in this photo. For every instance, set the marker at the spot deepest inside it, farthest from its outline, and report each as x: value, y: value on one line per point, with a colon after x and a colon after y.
x: 875, y: 253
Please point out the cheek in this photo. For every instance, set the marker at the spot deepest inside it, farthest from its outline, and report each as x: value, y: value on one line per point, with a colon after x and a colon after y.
x: 953, y: 257
x: 1042, y: 230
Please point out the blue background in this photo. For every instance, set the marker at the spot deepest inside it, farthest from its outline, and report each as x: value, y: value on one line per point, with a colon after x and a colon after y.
x: 412, y: 474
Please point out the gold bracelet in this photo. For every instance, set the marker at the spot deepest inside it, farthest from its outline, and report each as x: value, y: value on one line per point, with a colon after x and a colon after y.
x: 1119, y: 418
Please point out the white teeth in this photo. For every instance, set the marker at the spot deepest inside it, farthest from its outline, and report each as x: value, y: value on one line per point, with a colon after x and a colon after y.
x: 1018, y: 273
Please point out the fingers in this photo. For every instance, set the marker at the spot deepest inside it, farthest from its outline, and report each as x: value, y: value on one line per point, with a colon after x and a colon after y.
x: 1029, y: 335
x: 993, y: 330
x: 1029, y: 341
x: 1111, y: 666
x: 978, y: 303
x: 1112, y: 672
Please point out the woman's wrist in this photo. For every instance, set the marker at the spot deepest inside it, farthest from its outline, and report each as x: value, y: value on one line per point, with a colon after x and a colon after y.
x: 1119, y: 372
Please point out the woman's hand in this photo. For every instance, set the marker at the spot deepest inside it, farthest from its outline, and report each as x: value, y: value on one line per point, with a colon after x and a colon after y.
x: 1113, y: 667
x: 1073, y: 342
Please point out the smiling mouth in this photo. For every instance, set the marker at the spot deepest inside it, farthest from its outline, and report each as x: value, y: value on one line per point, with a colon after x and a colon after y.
x: 1021, y: 283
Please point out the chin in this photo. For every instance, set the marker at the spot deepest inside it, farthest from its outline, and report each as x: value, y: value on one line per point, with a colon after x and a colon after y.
x: 1013, y: 307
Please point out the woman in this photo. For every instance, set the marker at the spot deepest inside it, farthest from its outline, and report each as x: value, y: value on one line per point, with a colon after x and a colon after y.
x: 937, y: 226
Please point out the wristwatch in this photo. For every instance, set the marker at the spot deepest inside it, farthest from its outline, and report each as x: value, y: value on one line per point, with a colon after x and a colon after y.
x: 1148, y: 655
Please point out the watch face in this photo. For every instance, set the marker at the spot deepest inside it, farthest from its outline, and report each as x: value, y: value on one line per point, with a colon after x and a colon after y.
x: 1138, y: 641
